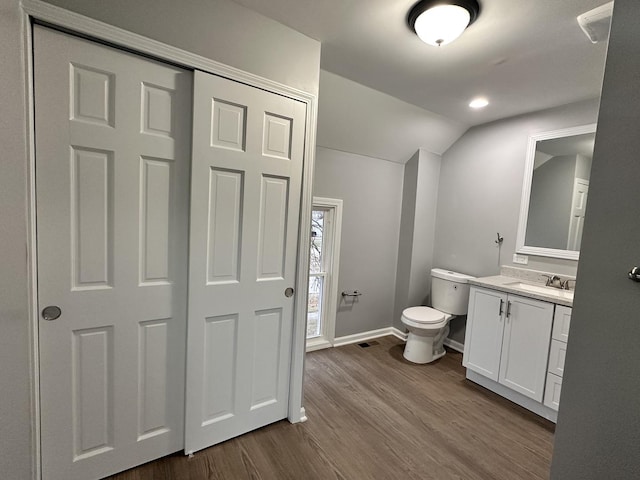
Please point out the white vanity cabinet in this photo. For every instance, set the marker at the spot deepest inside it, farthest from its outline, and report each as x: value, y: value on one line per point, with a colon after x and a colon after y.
x: 507, y: 340
x: 525, y: 346
x: 485, y: 328
x: 557, y: 354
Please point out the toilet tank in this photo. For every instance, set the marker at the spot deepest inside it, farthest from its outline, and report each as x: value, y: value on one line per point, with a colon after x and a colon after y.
x: 450, y: 291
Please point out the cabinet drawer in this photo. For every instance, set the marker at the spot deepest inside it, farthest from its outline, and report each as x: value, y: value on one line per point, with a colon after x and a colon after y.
x: 556, y: 357
x: 552, y: 391
x: 561, y: 321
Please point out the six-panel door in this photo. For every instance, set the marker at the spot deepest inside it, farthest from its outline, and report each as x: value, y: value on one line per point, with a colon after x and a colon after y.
x: 246, y: 179
x: 112, y: 164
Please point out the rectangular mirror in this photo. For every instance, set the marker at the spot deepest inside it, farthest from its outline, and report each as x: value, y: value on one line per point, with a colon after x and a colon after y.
x: 555, y: 191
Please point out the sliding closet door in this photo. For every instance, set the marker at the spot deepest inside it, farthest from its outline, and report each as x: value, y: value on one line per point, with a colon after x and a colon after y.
x: 245, y: 197
x: 113, y: 137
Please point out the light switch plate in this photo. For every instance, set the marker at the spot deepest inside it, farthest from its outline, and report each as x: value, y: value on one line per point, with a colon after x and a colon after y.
x: 520, y: 259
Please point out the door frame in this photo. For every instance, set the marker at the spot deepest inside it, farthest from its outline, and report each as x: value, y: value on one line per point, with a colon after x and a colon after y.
x: 37, y: 11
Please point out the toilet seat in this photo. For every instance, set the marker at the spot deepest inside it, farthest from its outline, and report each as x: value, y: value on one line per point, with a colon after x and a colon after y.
x: 423, y: 314
x: 424, y: 317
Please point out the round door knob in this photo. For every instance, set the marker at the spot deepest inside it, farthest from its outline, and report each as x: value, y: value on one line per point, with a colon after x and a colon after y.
x: 51, y: 312
x: 288, y: 292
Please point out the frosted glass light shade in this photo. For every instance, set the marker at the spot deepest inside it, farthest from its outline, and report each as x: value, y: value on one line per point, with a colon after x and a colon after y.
x: 442, y: 24
x: 479, y: 102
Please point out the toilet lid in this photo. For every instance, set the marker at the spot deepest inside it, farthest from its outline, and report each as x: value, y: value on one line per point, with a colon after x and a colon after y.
x: 423, y: 315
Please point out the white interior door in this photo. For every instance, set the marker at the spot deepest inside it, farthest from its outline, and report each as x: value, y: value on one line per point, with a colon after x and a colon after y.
x: 112, y: 171
x: 245, y: 196
x: 578, y: 210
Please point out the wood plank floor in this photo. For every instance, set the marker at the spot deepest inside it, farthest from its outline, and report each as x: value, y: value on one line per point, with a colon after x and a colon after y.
x: 372, y: 415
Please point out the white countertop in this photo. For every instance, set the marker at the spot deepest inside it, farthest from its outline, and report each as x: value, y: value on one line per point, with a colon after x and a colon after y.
x: 526, y: 289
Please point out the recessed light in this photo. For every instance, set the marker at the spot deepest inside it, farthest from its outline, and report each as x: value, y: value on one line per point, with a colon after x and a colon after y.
x: 479, y: 102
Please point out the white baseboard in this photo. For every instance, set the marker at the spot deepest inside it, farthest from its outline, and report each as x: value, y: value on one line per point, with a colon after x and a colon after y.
x: 381, y: 332
x: 317, y: 344
x: 399, y: 334
x: 453, y: 345
x: 363, y: 336
x: 299, y: 419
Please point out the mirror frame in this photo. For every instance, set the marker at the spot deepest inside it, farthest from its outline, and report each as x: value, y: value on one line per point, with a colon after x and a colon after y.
x: 526, y: 193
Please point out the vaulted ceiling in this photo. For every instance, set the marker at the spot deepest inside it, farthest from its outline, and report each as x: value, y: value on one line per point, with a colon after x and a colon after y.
x: 523, y: 55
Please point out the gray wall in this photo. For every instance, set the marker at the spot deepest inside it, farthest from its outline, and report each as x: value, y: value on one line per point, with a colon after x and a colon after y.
x: 380, y: 133
x: 405, y: 240
x: 221, y: 30
x: 372, y: 193
x: 15, y: 419
x: 218, y: 29
x: 424, y: 230
x: 550, y: 203
x: 481, y: 187
x: 417, y: 233
x: 598, y: 430
x: 583, y: 167
x: 480, y: 194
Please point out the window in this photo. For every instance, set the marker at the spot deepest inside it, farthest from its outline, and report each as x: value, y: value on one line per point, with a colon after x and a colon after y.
x: 326, y: 219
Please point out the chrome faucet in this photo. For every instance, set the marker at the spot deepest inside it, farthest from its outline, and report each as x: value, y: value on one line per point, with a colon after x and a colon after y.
x: 554, y: 281
x: 564, y: 284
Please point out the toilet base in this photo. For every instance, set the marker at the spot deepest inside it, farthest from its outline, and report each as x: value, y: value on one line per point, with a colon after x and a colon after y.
x: 425, y: 349
x: 422, y: 359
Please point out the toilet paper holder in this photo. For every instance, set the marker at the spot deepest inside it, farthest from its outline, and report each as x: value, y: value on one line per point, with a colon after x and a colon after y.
x: 355, y: 293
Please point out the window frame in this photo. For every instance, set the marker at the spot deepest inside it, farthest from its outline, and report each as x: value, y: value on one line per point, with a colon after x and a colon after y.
x: 330, y: 263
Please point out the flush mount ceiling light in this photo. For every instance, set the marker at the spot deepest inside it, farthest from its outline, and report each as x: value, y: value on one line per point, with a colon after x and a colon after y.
x: 479, y: 102
x: 438, y: 22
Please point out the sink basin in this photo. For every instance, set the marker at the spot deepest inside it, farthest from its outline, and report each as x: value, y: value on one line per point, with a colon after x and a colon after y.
x: 543, y: 290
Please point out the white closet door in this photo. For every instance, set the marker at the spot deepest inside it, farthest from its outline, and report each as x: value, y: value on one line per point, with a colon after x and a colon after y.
x: 245, y: 197
x: 112, y: 171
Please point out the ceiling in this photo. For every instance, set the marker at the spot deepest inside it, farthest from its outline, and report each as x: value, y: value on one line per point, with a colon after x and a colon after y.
x: 580, y: 144
x: 523, y: 55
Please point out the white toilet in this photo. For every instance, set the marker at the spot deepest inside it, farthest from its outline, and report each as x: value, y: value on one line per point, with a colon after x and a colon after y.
x: 428, y: 327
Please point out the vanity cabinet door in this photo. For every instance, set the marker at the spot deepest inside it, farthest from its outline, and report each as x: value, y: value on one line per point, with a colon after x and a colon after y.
x: 561, y: 323
x: 525, y: 346
x: 483, y: 337
x: 552, y: 391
